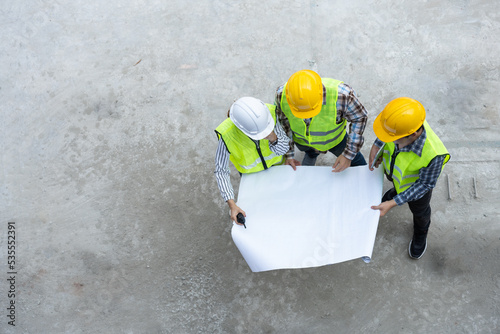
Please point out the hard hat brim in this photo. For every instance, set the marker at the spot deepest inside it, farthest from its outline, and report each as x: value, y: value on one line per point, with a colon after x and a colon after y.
x: 305, y: 114
x: 382, y: 133
x: 263, y: 134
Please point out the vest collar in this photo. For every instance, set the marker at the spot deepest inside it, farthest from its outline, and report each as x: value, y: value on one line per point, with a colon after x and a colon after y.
x: 417, y: 146
x: 324, y: 95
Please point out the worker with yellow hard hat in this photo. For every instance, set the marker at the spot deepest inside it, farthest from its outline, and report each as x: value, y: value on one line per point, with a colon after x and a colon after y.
x: 314, y: 113
x: 252, y: 139
x: 413, y: 157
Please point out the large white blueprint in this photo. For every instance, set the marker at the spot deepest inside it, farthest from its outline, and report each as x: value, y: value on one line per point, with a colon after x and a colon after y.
x: 307, y: 218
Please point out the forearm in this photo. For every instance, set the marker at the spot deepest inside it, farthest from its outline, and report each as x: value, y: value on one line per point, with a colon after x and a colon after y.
x: 355, y: 140
x: 287, y: 131
x: 356, y: 115
x: 415, y: 192
x: 282, y: 145
x: 225, y: 186
x: 222, y: 172
x: 231, y: 203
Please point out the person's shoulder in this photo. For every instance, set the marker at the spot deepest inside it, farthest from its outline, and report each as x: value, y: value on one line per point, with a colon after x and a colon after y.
x: 345, y: 89
x: 224, y: 125
x: 279, y: 90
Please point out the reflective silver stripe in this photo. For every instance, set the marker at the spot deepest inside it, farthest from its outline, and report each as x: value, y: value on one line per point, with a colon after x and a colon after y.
x: 410, y: 176
x: 328, y: 132
x: 406, y: 185
x: 328, y: 141
x: 401, y: 187
x: 258, y: 161
x: 296, y: 134
x: 395, y: 178
x: 320, y: 142
x: 401, y: 173
x: 386, y: 162
x: 315, y: 133
x: 399, y: 170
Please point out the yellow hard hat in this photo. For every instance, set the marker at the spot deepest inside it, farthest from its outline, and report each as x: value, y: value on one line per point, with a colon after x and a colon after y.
x: 304, y: 93
x: 401, y: 117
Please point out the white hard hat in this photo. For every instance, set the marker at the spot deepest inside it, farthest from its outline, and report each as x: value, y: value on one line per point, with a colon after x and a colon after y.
x: 252, y: 117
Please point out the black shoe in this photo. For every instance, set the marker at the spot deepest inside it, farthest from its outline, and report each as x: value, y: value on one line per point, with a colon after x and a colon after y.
x: 417, y: 249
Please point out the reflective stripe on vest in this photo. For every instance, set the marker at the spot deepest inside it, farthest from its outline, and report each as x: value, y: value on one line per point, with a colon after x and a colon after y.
x: 408, y: 164
x: 244, y: 152
x: 259, y: 161
x: 323, y: 132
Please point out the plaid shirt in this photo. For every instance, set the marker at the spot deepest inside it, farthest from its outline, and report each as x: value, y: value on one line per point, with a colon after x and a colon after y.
x: 428, y: 176
x: 348, y: 107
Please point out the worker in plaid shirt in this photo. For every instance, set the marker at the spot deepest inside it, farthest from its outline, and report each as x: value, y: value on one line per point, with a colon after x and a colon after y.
x: 413, y: 157
x: 314, y: 112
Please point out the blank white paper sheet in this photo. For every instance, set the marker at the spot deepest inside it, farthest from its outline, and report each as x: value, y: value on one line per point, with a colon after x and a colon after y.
x: 309, y: 217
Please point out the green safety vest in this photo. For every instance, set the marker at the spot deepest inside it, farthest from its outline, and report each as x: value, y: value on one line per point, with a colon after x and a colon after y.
x: 246, y: 155
x: 408, y: 164
x: 324, y: 132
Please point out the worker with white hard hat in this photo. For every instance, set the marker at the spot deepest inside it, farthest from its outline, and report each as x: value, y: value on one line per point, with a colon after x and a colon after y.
x: 314, y: 112
x: 413, y: 157
x: 252, y: 139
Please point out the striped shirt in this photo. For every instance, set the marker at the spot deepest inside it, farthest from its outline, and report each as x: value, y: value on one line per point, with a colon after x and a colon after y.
x: 348, y: 107
x: 222, y: 172
x: 428, y: 176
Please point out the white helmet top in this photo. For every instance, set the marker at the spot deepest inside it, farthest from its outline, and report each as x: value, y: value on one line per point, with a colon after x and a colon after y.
x: 252, y: 117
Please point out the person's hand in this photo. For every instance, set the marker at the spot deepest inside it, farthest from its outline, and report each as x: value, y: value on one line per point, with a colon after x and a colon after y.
x: 373, y: 154
x: 271, y: 137
x: 292, y: 162
x: 235, y: 210
x: 341, y: 164
x: 384, y: 207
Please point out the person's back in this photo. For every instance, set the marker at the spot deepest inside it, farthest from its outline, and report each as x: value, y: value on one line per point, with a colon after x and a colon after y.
x: 314, y: 112
x: 413, y: 158
x: 252, y: 139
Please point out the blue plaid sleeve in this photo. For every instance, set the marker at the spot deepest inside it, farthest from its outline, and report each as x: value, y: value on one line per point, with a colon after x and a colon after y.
x: 351, y: 109
x: 428, y: 177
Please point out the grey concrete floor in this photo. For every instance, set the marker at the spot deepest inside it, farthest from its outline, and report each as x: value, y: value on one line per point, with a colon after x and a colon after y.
x: 107, y: 149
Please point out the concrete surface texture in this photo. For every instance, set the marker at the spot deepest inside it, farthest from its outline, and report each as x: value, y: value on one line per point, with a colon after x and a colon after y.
x: 107, y: 159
